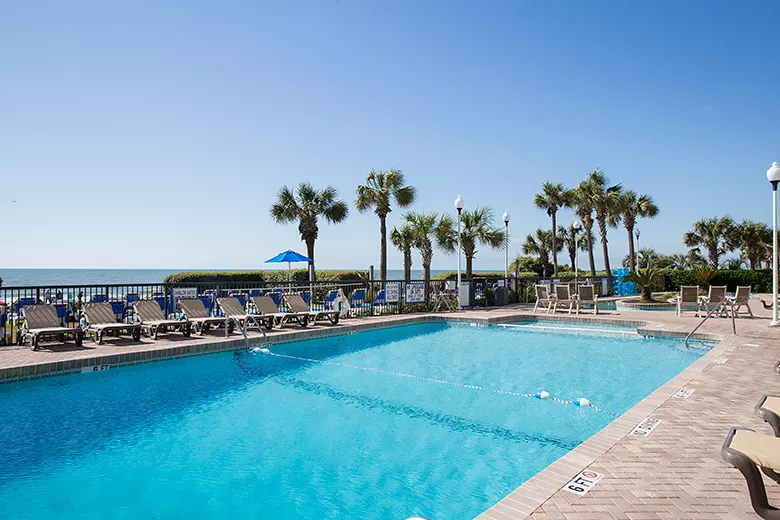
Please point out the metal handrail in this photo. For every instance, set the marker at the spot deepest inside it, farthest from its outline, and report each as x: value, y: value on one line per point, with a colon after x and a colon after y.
x: 719, y: 305
x: 243, y: 332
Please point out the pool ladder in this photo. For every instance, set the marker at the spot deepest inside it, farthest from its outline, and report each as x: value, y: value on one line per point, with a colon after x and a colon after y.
x: 718, y: 306
x: 243, y: 332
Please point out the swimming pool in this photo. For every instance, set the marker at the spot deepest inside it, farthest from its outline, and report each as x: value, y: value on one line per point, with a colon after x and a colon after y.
x: 242, y: 435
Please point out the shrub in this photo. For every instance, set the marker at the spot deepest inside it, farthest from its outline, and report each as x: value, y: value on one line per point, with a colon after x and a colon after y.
x: 453, y: 275
x: 276, y: 276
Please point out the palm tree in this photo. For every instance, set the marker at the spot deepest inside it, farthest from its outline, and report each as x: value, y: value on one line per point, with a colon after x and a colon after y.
x: 541, y: 244
x: 712, y: 233
x: 629, y: 207
x: 476, y: 229
x: 427, y: 227
x: 646, y: 280
x: 403, y: 238
x: 380, y: 189
x: 552, y: 198
x: 603, y: 199
x: 569, y: 238
x: 578, y: 200
x: 305, y: 206
x: 733, y: 264
x: 754, y: 240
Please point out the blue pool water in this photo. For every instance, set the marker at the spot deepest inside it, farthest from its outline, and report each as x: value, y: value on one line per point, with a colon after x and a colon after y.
x: 241, y: 435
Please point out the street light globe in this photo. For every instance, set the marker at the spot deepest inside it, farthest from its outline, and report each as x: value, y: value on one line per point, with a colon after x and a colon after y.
x: 577, y: 226
x: 506, y: 217
x: 459, y: 203
x: 773, y: 173
x: 637, y: 233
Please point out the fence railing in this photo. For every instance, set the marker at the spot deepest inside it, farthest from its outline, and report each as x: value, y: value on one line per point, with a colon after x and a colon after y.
x: 362, y: 297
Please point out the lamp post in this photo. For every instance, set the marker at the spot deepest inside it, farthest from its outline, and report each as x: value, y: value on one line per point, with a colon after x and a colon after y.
x: 506, y: 247
x: 773, y: 174
x: 459, y: 203
x: 636, y: 234
x: 577, y: 228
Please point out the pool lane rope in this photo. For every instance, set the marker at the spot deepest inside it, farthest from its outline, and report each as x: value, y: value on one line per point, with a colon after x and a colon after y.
x: 581, y: 402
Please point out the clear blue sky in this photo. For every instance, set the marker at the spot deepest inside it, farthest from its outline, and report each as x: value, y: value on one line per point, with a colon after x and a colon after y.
x: 173, y: 124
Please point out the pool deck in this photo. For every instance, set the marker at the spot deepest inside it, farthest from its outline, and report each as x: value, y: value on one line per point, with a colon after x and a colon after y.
x: 674, y: 473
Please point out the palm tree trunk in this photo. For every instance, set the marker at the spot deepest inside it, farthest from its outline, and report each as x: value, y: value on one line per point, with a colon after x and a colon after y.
x: 383, y: 248
x: 573, y: 259
x: 713, y: 254
x: 554, y: 249
x: 544, y: 261
x: 589, y: 231
x: 604, y: 247
x: 310, y: 254
x: 407, y: 264
x: 631, y: 253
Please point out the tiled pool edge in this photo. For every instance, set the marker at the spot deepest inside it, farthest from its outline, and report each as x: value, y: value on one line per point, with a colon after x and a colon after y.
x: 529, y: 496
x: 159, y: 351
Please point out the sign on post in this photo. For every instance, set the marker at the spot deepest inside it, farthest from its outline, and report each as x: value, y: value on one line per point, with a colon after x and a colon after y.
x: 464, y: 299
x: 392, y: 292
x: 415, y: 293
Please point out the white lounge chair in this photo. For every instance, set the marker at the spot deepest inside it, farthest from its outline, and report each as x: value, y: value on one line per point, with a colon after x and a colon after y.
x: 268, y: 309
x: 740, y: 298
x: 41, y: 321
x: 716, y: 294
x: 298, y: 306
x: 563, y: 297
x: 689, y: 295
x: 153, y: 321
x: 587, y: 295
x: 101, y: 319
x: 441, y: 300
x: 543, y: 298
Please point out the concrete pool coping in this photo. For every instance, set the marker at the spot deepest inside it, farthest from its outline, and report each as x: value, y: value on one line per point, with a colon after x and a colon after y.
x: 520, y: 503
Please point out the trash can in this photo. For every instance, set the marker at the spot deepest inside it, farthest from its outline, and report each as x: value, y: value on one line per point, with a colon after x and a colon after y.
x: 500, y: 296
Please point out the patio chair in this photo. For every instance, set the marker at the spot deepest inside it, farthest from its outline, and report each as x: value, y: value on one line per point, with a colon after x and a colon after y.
x: 41, y: 321
x: 298, y: 306
x: 232, y: 308
x: 267, y: 308
x: 101, y: 319
x: 587, y: 295
x: 153, y: 321
x: 768, y: 409
x: 689, y: 295
x: 740, y: 298
x: 441, y: 300
x: 748, y: 451
x: 543, y: 298
x: 196, y: 313
x: 716, y: 294
x: 563, y: 296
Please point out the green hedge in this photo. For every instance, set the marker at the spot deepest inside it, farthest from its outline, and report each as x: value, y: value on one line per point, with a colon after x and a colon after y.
x: 453, y: 275
x: 276, y: 276
x: 760, y: 279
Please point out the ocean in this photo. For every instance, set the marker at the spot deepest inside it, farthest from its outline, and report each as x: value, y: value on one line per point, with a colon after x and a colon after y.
x: 37, y: 277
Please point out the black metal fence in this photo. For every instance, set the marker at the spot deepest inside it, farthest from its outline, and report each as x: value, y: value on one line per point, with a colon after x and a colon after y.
x: 357, y: 298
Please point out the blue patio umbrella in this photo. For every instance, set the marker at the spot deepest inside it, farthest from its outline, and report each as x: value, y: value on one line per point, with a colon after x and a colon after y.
x: 288, y: 256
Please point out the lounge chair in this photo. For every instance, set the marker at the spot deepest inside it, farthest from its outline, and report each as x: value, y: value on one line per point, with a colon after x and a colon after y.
x: 563, y: 296
x: 689, y: 295
x: 748, y: 451
x: 196, y: 313
x: 587, y: 295
x: 543, y: 299
x: 716, y: 294
x: 441, y: 300
x: 101, y: 319
x: 740, y: 298
x: 153, y: 321
x: 232, y: 308
x: 41, y: 321
x: 298, y: 306
x: 768, y: 409
x: 268, y: 309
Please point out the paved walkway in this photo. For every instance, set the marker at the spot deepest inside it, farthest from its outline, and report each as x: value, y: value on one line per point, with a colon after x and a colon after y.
x: 675, y: 473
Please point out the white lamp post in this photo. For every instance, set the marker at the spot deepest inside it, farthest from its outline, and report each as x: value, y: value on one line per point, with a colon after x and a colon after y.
x: 773, y: 174
x: 459, y: 204
x: 506, y: 246
x: 577, y: 228
x: 636, y: 234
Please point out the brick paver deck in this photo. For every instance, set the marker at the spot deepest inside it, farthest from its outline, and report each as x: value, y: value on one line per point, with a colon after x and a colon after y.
x: 675, y: 473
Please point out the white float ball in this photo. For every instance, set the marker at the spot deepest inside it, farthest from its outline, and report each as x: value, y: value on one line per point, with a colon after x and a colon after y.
x: 582, y: 402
